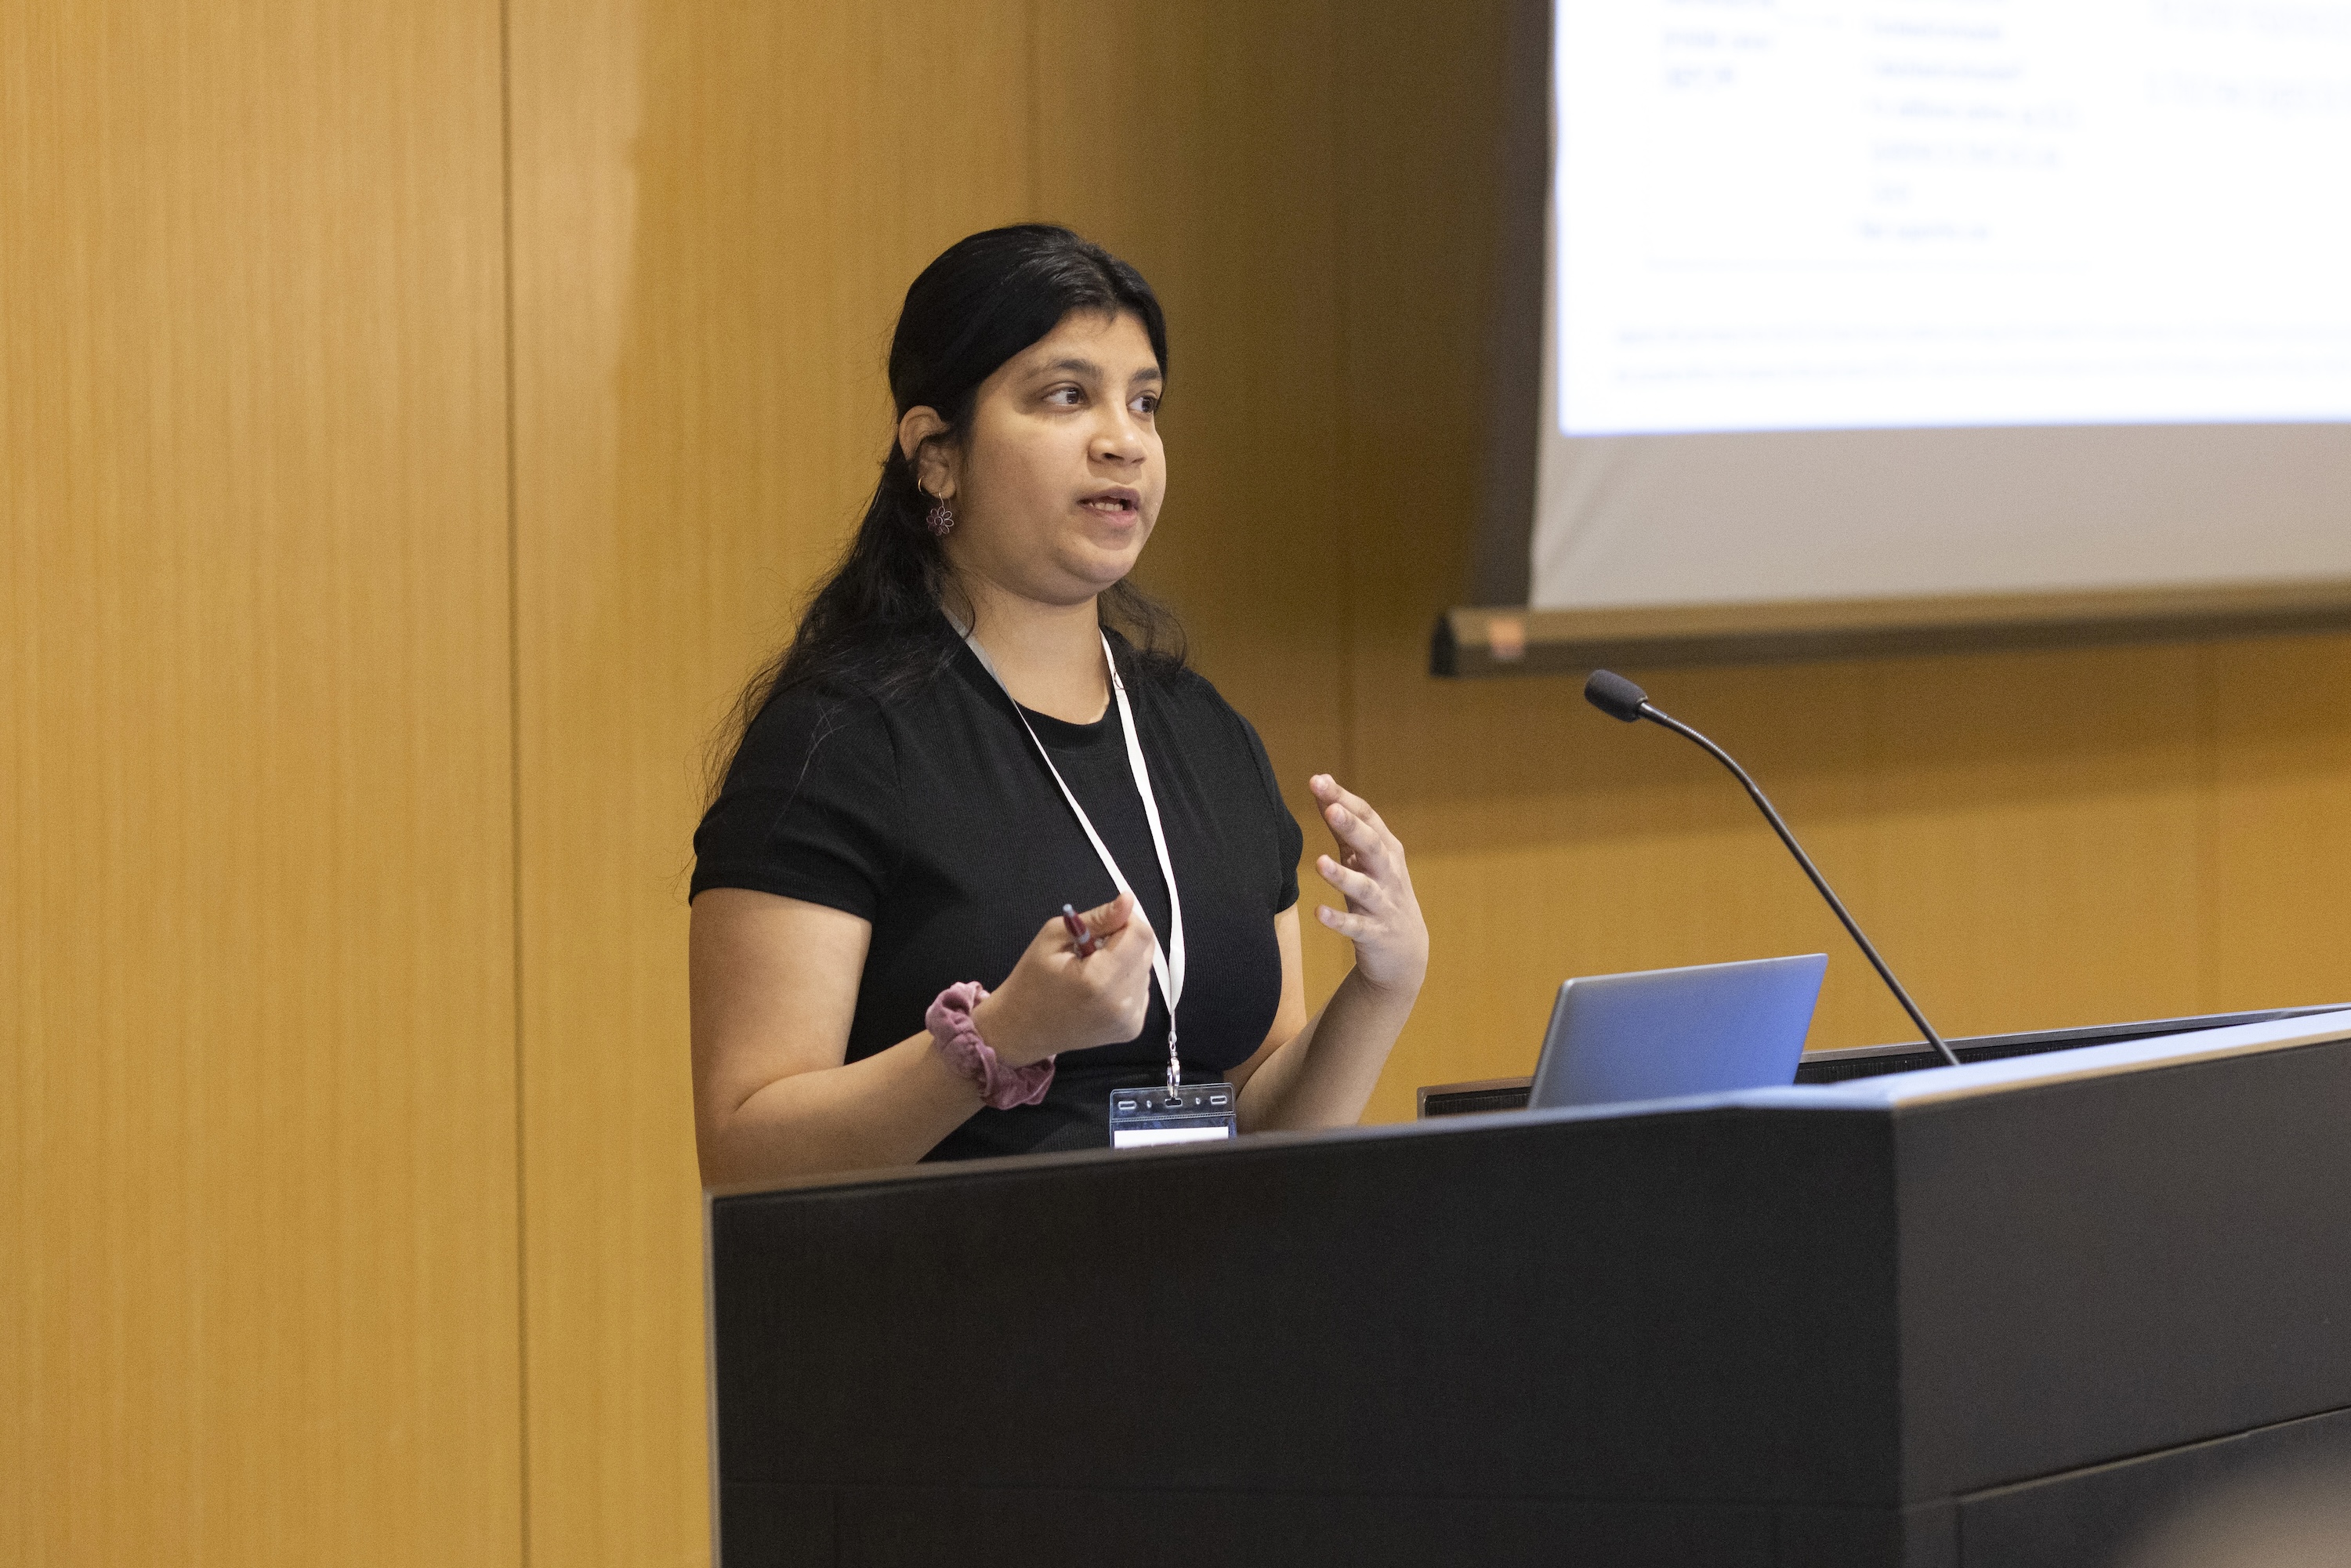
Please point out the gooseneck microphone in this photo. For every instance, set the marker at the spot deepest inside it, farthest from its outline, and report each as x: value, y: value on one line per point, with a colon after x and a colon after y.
x: 1617, y: 697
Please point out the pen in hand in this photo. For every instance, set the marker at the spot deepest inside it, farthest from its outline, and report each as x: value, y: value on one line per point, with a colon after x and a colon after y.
x: 1079, y: 933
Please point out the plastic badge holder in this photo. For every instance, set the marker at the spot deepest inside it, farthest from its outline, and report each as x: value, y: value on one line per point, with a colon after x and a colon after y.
x: 1196, y: 1113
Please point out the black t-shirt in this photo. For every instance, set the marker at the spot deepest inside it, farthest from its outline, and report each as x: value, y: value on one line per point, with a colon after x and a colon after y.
x: 933, y: 818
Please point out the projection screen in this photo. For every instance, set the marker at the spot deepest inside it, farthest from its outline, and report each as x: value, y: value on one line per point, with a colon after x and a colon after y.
x: 1934, y: 314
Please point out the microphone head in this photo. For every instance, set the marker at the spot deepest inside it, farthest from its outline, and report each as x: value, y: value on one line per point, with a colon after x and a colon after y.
x: 1615, y: 695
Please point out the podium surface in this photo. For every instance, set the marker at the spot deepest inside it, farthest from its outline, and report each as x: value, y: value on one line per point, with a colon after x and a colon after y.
x: 1997, y: 1314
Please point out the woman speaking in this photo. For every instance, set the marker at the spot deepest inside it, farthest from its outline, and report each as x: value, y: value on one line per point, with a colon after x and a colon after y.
x: 978, y: 725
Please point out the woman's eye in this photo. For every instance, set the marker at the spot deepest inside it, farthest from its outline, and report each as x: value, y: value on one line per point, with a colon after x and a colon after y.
x: 1147, y: 405
x: 1064, y: 397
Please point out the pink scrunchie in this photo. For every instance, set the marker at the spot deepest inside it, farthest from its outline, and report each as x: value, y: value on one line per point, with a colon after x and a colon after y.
x: 1000, y: 1087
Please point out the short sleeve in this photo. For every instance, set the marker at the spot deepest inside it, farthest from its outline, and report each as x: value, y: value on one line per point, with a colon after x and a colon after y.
x: 809, y: 809
x: 1289, y: 839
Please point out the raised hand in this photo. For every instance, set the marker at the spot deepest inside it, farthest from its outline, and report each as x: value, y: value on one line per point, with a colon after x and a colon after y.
x: 1383, y: 916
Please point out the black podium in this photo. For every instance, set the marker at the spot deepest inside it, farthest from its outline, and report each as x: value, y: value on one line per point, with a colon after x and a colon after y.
x: 2005, y: 1313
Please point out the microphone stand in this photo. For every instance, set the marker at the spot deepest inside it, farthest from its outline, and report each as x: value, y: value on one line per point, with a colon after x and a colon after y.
x: 1654, y: 715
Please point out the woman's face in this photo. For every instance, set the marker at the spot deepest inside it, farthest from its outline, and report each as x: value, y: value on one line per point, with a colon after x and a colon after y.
x: 1058, y: 481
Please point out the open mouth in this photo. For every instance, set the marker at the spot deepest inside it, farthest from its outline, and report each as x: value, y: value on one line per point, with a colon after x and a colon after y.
x: 1113, y: 503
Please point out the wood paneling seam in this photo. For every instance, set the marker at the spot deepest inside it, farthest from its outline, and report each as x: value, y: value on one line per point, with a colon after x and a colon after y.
x: 514, y: 784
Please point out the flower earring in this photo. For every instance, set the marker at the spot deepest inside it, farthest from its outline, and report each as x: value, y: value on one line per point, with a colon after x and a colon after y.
x: 941, y: 518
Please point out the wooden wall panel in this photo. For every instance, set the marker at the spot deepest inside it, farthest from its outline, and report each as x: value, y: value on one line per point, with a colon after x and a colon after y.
x: 2035, y: 828
x: 257, y: 1149
x: 2278, y: 834
x: 717, y: 209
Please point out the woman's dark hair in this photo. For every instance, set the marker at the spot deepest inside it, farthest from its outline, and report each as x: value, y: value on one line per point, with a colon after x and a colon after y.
x: 871, y: 625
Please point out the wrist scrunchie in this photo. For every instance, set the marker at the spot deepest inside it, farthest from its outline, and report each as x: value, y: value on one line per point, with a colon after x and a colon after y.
x: 957, y: 1039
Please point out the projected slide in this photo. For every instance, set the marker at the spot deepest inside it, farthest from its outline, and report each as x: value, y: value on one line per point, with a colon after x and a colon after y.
x: 1805, y: 215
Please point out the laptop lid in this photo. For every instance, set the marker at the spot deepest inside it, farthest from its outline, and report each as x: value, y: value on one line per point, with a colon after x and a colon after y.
x: 1661, y: 1033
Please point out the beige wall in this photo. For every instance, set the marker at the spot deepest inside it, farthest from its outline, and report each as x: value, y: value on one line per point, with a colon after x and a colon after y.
x: 395, y: 488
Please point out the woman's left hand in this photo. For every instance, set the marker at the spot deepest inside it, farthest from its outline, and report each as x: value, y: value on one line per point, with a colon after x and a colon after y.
x: 1382, y: 917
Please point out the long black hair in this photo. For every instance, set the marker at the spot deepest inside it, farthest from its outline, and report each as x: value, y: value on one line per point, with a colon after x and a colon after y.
x: 872, y: 626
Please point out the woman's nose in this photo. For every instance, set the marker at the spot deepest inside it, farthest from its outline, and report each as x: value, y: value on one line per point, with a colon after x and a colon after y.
x: 1118, y: 439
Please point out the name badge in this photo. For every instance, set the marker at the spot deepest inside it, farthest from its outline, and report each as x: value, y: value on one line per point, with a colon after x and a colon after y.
x: 1194, y: 1113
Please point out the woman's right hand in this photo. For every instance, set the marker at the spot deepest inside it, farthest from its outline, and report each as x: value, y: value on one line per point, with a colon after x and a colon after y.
x: 1055, y: 1000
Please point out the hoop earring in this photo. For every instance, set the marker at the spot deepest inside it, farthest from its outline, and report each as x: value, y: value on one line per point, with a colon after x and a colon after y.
x: 941, y: 519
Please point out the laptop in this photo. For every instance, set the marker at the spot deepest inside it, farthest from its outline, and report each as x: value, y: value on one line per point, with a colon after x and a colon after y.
x: 1662, y: 1033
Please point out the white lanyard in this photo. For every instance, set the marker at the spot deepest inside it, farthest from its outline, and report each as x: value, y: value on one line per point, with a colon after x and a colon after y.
x: 1167, y: 962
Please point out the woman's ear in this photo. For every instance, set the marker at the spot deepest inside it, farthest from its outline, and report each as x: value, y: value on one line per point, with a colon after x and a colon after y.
x: 920, y: 443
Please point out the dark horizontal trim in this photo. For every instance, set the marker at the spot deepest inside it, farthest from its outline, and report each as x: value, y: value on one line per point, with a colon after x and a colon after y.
x: 1451, y: 1097
x: 1903, y: 1056
x: 1502, y: 642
